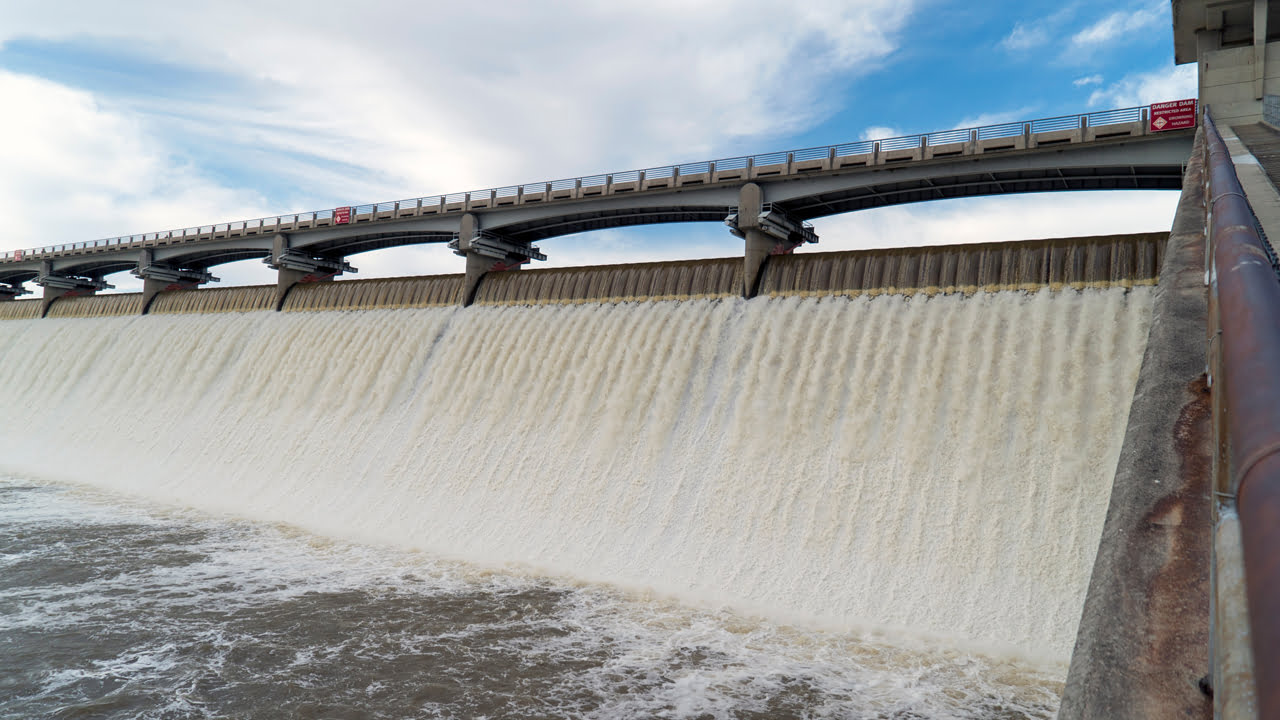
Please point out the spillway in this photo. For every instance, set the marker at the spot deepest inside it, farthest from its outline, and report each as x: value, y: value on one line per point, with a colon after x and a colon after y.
x: 937, y: 462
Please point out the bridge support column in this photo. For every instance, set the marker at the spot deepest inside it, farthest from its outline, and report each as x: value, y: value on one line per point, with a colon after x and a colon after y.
x: 57, y: 285
x: 488, y: 252
x: 767, y: 230
x: 158, y: 278
x: 296, y: 266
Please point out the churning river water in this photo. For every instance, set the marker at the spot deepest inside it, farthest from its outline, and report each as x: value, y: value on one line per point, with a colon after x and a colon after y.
x: 845, y: 508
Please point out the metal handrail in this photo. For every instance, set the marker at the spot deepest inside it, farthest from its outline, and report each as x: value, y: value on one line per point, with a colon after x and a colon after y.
x: 901, y: 143
x: 1245, y: 295
x: 986, y: 132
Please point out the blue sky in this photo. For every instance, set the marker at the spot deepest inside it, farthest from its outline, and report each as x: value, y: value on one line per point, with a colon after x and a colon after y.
x: 142, y: 116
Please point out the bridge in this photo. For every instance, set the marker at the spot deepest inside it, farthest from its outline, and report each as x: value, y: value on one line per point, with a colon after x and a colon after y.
x: 765, y: 199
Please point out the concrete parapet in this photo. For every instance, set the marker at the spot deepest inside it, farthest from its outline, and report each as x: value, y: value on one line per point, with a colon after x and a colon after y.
x: 1143, y: 640
x: 1118, y: 130
x: 769, y: 170
x: 858, y: 160
x: 724, y: 175
x: 1012, y: 142
x: 802, y: 166
x: 904, y: 155
x: 1234, y: 693
x: 948, y: 150
x: 1057, y: 137
x: 701, y: 178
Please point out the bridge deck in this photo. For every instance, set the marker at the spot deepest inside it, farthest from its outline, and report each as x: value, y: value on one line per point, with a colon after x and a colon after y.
x: 1096, y: 151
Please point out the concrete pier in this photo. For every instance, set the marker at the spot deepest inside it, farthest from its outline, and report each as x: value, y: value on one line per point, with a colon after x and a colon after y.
x: 294, y: 266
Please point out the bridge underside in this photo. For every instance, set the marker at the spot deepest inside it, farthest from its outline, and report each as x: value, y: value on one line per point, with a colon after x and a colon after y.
x: 1154, y: 177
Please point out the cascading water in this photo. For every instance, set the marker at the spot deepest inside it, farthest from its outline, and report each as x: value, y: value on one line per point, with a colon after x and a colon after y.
x: 939, y: 465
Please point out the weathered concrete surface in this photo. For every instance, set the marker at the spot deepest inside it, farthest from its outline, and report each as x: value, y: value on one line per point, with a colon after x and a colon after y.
x: 1143, y: 642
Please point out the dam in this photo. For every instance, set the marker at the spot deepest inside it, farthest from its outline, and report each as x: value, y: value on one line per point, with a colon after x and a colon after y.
x: 1002, y: 480
x: 917, y: 443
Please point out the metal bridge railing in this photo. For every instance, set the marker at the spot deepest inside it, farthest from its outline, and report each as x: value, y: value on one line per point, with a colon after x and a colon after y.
x: 544, y: 190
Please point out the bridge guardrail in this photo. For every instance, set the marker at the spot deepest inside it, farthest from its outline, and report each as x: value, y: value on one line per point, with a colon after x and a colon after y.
x: 556, y: 189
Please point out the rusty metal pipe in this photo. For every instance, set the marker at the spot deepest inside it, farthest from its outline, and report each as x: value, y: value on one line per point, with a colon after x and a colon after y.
x: 1248, y: 296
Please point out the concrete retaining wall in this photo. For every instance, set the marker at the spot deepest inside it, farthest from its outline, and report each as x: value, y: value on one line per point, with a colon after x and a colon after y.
x: 1143, y: 641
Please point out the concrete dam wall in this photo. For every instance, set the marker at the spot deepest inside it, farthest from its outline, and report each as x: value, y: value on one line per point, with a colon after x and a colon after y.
x: 1109, y: 261
x: 937, y: 464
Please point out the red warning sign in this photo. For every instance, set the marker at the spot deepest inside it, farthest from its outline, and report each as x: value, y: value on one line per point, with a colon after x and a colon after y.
x: 1176, y: 115
x: 342, y: 215
x: 18, y: 254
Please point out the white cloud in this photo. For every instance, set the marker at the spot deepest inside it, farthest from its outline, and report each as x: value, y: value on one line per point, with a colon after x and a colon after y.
x: 74, y: 171
x: 879, y: 132
x: 1173, y: 83
x: 1087, y: 80
x: 1025, y: 37
x: 443, y: 97
x: 996, y: 118
x: 999, y: 218
x: 1120, y: 23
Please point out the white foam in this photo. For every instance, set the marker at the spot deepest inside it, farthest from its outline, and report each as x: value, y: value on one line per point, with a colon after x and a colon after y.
x: 940, y: 465
x: 643, y: 657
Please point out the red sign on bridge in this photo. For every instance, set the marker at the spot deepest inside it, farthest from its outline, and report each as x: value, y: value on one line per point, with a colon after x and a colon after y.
x: 1176, y: 115
x: 342, y: 215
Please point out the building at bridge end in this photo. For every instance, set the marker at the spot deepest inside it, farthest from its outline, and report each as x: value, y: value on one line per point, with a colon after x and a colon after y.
x: 1236, y: 45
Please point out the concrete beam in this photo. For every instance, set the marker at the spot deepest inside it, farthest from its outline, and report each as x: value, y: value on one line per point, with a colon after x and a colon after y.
x: 159, y: 277
x: 487, y: 252
x: 295, y: 266
x: 1259, y: 47
x: 57, y: 285
x: 766, y: 230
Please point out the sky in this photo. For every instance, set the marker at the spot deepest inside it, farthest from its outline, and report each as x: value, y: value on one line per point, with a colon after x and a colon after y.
x: 140, y: 116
